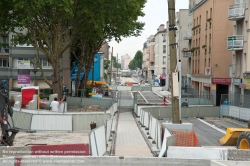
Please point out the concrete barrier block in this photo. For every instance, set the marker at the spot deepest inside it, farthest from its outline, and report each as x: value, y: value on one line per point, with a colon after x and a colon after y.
x: 230, y: 163
x: 183, y: 126
x: 235, y: 154
x: 197, y: 153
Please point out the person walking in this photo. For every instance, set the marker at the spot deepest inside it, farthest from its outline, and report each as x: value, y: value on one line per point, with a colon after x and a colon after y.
x: 184, y: 103
x: 54, y: 105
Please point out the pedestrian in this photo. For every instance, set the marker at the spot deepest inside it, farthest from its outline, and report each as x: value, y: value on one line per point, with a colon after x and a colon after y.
x: 226, y: 102
x: 184, y: 103
x: 54, y: 105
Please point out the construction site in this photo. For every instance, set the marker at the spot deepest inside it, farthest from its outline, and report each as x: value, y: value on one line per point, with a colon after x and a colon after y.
x: 132, y: 127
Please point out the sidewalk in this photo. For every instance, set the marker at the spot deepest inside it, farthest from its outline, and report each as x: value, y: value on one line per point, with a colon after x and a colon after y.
x: 129, y: 141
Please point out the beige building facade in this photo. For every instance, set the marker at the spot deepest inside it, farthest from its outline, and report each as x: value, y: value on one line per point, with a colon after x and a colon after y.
x: 210, y: 59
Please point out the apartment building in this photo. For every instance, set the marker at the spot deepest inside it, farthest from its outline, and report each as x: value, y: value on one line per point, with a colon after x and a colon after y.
x: 150, y: 57
x: 10, y: 54
x: 237, y: 44
x: 182, y: 44
x: 160, y: 51
x: 210, y: 58
x: 125, y: 60
x: 145, y: 56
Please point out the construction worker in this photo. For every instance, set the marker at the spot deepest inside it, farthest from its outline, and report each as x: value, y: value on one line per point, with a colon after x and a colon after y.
x: 54, y: 105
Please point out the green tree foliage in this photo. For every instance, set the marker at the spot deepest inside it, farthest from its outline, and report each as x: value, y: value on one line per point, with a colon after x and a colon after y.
x: 136, y: 62
x: 52, y: 26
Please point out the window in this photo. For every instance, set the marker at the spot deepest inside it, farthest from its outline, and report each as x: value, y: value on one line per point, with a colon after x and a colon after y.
x: 45, y: 62
x: 164, y: 48
x: 164, y: 60
x: 164, y: 37
x: 4, y: 62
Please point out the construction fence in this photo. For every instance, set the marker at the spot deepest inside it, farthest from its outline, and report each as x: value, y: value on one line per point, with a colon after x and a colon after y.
x: 166, y: 112
x: 99, y: 137
x: 69, y: 121
x: 235, y: 106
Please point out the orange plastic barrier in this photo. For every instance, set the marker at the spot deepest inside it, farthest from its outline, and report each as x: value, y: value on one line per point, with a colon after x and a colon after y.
x: 185, y: 138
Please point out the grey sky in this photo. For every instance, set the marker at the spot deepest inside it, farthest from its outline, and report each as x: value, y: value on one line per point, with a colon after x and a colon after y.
x: 156, y: 13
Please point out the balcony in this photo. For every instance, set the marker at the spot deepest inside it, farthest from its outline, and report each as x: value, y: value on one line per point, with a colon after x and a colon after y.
x: 187, y: 54
x: 187, y: 35
x: 4, y: 51
x: 235, y: 42
x: 236, y: 12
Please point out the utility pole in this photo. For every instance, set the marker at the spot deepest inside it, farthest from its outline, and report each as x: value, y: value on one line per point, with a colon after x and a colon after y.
x: 110, y: 78
x: 173, y: 58
x: 117, y: 67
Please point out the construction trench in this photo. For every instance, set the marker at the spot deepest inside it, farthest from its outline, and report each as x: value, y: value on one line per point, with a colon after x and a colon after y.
x: 129, y: 135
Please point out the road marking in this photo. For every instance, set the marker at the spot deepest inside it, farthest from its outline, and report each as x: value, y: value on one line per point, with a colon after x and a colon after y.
x: 143, y: 97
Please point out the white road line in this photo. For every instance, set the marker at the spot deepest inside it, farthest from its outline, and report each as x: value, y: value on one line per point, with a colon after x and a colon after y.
x: 213, y: 126
x: 143, y: 97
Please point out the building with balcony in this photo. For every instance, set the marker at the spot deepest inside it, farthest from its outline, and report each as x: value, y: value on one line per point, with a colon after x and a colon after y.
x: 238, y: 45
x: 160, y: 50
x: 211, y: 59
x: 183, y: 35
x: 125, y: 60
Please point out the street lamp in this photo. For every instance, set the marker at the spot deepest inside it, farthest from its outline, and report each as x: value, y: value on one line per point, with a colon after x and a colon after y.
x: 35, y: 69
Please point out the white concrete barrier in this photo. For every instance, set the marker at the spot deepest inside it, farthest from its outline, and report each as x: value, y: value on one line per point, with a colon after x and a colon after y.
x: 102, y: 161
x: 229, y: 163
x: 197, y: 153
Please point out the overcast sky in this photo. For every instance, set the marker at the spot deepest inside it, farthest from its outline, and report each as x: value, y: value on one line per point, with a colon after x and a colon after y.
x: 156, y: 13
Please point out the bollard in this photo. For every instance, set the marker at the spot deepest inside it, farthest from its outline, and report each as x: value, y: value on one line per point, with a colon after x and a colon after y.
x: 92, y: 125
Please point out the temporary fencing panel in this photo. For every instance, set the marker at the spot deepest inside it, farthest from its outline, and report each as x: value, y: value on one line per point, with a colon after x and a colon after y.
x: 153, y: 132
x: 98, y: 141
x: 159, y: 135
x: 51, y: 122
x: 21, y: 120
x: 224, y: 110
x: 125, y: 103
x: 109, y: 123
x: 93, y: 146
x: 82, y: 121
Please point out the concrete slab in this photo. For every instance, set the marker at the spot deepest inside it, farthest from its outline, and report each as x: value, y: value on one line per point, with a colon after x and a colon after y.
x: 230, y: 163
x: 197, y: 153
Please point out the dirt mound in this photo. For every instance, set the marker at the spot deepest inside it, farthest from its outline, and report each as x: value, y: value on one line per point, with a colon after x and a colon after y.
x: 90, y: 108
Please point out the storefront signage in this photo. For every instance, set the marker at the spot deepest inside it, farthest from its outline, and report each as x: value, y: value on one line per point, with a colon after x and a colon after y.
x: 242, y: 86
x: 247, y: 82
x: 237, y: 81
x: 221, y: 80
x: 206, y: 84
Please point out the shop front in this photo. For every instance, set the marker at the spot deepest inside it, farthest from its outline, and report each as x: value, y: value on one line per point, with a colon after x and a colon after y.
x: 220, y: 86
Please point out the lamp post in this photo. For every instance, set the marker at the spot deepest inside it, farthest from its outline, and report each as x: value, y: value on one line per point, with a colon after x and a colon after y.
x: 35, y: 70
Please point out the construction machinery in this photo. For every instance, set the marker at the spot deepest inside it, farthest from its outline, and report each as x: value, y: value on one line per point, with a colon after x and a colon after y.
x: 239, y: 137
x: 8, y: 132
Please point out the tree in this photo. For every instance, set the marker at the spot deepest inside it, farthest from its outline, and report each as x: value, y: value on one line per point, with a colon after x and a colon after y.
x: 136, y: 62
x: 108, y: 24
x: 51, y: 26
